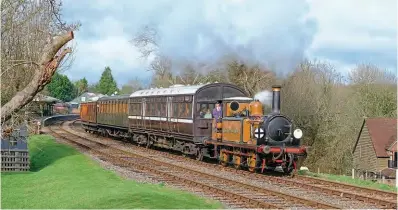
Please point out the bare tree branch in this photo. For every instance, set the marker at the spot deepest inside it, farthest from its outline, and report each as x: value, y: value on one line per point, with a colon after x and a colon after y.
x: 49, y: 62
x: 18, y: 64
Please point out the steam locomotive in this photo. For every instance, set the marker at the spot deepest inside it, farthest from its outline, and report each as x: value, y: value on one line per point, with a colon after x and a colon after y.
x: 171, y: 118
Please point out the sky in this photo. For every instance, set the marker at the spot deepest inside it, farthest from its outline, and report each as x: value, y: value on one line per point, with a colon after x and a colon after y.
x: 270, y: 32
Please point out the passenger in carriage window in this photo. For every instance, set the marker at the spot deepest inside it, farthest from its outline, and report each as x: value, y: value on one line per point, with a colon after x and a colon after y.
x: 208, y: 114
x: 202, y: 112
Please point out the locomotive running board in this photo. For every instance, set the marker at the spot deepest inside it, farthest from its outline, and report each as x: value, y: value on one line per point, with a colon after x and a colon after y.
x: 223, y: 143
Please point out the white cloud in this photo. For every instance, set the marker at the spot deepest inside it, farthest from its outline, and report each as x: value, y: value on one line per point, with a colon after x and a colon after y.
x: 355, y: 24
x: 345, y: 33
x: 110, y: 46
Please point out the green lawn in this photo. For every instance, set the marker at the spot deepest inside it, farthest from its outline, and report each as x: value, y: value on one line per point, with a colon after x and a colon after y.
x: 61, y: 177
x: 349, y: 180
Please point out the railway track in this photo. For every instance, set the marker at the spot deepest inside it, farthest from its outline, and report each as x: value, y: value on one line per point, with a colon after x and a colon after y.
x: 379, y: 197
x: 236, y: 194
x: 346, y: 195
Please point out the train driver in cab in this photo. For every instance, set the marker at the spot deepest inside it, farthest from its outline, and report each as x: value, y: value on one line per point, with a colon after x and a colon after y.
x: 217, y: 111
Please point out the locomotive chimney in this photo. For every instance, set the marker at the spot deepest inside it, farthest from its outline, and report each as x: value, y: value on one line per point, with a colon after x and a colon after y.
x: 276, y: 99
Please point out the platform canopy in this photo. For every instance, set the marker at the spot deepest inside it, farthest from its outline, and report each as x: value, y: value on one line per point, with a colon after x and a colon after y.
x: 46, y: 99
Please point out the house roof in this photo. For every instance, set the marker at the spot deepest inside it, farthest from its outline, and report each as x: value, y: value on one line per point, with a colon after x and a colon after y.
x: 382, y: 132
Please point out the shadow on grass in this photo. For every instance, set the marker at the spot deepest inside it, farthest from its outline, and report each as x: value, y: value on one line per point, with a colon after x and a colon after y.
x: 43, y: 151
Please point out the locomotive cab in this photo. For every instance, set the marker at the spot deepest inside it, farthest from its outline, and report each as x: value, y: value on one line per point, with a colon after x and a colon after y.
x: 236, y: 106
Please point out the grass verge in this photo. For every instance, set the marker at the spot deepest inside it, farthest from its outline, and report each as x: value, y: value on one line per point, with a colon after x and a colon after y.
x: 61, y: 177
x: 349, y: 180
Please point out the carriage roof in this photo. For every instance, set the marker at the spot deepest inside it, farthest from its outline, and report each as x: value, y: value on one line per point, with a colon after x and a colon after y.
x: 238, y: 99
x: 172, y: 90
x: 123, y: 96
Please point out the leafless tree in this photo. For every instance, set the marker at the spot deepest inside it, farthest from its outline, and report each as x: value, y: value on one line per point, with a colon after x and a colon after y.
x: 132, y: 86
x: 146, y: 41
x: 165, y: 72
x: 252, y: 79
x: 33, y: 39
x: 374, y: 90
x: 309, y: 97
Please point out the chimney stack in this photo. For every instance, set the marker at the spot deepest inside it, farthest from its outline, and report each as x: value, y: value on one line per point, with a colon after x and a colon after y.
x: 276, y: 99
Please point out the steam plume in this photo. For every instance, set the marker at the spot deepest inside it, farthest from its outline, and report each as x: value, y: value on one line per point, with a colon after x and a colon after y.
x: 264, y: 97
x: 271, y: 33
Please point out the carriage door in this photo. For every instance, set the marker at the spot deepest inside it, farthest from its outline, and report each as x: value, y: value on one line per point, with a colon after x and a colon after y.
x: 170, y: 113
x: 203, y: 122
x: 143, y: 113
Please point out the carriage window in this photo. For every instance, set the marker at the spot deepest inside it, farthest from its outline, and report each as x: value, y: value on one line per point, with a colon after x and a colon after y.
x: 147, y: 109
x: 182, y: 110
x: 163, y: 109
x: 152, y: 109
x: 175, y: 110
x: 205, y: 108
x: 188, y: 110
x: 158, y: 109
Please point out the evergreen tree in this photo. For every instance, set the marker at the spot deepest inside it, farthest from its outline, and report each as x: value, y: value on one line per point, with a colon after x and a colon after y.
x: 61, y: 87
x: 81, y: 86
x: 107, y: 85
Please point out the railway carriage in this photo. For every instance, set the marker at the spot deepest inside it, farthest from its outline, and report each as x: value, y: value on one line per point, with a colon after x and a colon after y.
x: 173, y: 118
x: 110, y: 113
x: 170, y: 117
x: 88, y: 113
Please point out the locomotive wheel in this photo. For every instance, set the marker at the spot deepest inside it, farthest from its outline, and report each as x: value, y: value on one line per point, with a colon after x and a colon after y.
x: 223, y: 159
x: 185, y: 151
x: 288, y: 170
x: 237, y: 161
x: 251, y: 162
x: 199, y: 155
x: 148, y: 145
